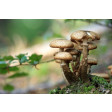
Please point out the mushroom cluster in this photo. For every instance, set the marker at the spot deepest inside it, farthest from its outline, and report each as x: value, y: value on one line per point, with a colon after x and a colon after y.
x: 73, y: 55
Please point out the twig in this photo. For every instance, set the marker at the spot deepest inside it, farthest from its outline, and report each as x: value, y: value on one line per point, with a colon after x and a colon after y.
x: 46, y: 61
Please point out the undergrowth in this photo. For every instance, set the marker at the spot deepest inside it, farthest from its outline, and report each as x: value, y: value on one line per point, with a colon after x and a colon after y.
x: 97, y: 85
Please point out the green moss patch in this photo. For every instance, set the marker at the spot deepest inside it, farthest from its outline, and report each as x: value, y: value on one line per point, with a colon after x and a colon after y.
x: 97, y: 85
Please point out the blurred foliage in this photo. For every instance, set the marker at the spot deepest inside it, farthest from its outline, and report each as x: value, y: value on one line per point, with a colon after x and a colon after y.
x: 26, y: 28
x: 104, y: 22
x: 22, y: 74
x: 8, y: 87
x: 7, y: 61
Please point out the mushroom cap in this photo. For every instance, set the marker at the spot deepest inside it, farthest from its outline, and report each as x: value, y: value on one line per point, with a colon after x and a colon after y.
x: 90, y: 47
x: 79, y: 35
x: 104, y: 75
x: 110, y: 67
x: 94, y: 35
x: 92, y: 61
x: 61, y: 43
x: 72, y: 51
x: 58, y: 61
x: 63, y: 56
x: 75, y: 45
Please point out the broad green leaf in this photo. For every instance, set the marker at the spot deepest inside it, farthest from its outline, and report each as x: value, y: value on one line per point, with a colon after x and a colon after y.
x: 8, y: 87
x: 22, y: 58
x: 8, y: 58
x: 35, y: 59
x: 22, y: 74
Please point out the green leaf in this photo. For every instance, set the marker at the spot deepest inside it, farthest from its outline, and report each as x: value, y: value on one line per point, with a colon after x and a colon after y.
x: 22, y: 58
x: 35, y: 59
x: 3, y: 64
x: 3, y: 71
x: 22, y: 74
x: 13, y: 68
x: 8, y: 87
x: 8, y: 58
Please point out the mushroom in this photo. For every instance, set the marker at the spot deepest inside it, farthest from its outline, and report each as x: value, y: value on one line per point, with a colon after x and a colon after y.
x: 61, y: 44
x: 91, y: 46
x: 91, y: 61
x: 103, y: 75
x: 110, y: 70
x: 65, y: 56
x: 75, y: 54
x: 82, y: 38
x: 93, y: 35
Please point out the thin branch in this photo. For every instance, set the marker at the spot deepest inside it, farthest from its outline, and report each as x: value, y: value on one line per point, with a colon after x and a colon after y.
x: 46, y: 61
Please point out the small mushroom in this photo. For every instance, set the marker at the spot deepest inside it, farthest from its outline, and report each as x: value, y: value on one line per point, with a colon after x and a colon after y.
x: 110, y: 70
x: 110, y: 67
x: 103, y: 75
x: 65, y: 56
x: 93, y: 35
x: 91, y: 46
x: 73, y: 52
x: 91, y: 61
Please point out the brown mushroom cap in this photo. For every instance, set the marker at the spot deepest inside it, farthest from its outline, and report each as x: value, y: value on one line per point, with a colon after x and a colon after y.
x: 79, y: 35
x: 63, y: 56
x: 110, y: 67
x: 72, y: 51
x: 104, y: 75
x: 94, y: 35
x: 92, y: 46
x: 92, y: 61
x: 61, y: 43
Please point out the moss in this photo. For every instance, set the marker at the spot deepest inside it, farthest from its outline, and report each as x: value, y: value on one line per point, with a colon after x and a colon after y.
x: 97, y: 85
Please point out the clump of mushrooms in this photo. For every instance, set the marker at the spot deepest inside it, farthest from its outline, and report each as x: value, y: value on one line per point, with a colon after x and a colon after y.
x: 70, y: 52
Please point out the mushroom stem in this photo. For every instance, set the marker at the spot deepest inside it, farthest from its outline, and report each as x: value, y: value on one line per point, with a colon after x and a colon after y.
x: 61, y: 49
x: 88, y: 69
x: 65, y: 68
x: 77, y: 63
x: 84, y: 76
x: 67, y: 73
x: 72, y: 62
